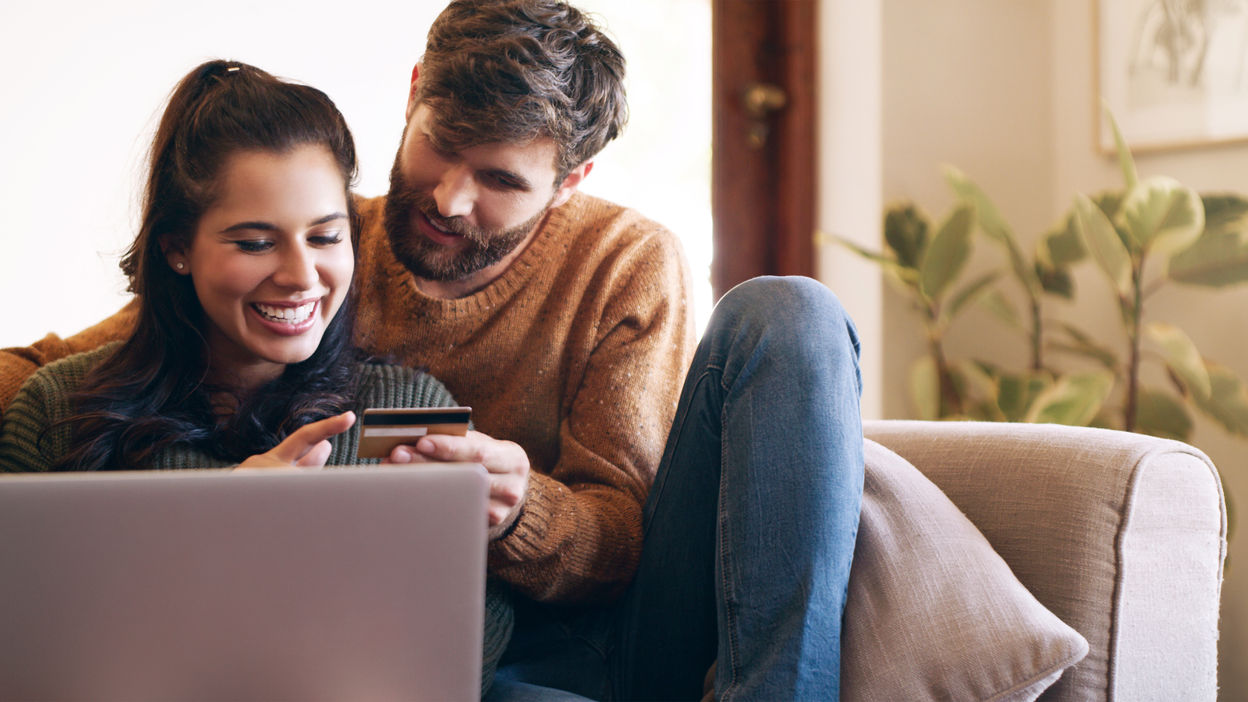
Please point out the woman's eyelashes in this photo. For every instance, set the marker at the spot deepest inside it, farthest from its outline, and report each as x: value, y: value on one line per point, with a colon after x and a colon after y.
x: 326, y: 239
x: 318, y: 240
x: 253, y: 245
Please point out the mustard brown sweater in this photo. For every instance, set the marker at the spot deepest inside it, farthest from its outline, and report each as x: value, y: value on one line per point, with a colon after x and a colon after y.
x: 577, y: 353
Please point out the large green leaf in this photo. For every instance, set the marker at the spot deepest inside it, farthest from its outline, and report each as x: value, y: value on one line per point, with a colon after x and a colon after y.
x: 905, y: 232
x: 1061, y: 246
x: 925, y: 388
x: 1056, y: 281
x: 1125, y: 162
x: 947, y: 253
x: 1083, y: 344
x: 1161, y: 414
x: 1181, y: 356
x: 980, y: 386
x: 1074, y: 399
x: 994, y: 225
x: 1001, y: 308
x: 986, y: 211
x: 1017, y: 391
x: 905, y: 277
x: 1162, y: 216
x: 1225, y: 212
x: 1228, y: 401
x: 974, y: 291
x: 863, y: 251
x: 1110, y: 202
x: 1218, y: 258
x: 1102, y: 240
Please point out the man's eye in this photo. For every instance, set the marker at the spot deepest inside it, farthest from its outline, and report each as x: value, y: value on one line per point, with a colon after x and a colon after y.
x: 503, y: 183
x: 253, y: 245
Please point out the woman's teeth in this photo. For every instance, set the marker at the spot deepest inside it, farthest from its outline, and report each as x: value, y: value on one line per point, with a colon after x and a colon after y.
x: 290, y: 315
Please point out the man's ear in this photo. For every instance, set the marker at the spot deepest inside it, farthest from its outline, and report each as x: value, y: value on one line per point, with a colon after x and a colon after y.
x: 570, y: 183
x: 411, y: 92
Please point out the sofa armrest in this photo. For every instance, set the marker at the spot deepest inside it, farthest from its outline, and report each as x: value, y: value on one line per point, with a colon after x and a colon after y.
x: 1122, y: 535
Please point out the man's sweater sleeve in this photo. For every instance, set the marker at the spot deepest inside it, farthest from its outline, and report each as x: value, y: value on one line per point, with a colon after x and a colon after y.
x: 19, y: 363
x: 30, y: 438
x: 578, y: 538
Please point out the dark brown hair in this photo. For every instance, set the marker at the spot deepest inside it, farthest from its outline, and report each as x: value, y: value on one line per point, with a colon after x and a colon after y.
x: 516, y: 70
x: 151, y: 392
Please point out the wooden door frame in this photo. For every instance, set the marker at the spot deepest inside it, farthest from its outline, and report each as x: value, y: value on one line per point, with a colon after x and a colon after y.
x: 763, y: 198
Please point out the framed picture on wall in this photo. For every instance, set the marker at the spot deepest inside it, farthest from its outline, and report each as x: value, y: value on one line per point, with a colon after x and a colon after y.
x: 1173, y: 72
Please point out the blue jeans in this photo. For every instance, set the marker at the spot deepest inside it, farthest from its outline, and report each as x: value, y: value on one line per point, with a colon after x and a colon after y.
x: 749, y: 526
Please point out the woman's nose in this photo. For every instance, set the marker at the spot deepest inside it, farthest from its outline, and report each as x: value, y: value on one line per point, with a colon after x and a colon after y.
x: 297, y: 269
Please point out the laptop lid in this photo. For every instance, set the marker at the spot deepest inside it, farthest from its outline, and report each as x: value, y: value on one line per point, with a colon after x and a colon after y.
x: 362, y: 583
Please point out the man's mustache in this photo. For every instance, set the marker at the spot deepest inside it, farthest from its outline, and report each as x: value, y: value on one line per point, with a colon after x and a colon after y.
x: 428, y: 207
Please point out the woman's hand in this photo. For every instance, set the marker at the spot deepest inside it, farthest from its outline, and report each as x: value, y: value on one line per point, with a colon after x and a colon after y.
x: 306, y: 447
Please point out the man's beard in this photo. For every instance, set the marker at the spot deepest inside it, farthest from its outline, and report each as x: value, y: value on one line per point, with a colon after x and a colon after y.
x: 428, y: 260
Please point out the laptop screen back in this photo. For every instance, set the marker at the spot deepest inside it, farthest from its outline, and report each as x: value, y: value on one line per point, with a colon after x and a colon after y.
x: 359, y: 583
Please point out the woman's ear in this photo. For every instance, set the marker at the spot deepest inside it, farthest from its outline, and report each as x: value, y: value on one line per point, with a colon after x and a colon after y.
x: 175, y: 259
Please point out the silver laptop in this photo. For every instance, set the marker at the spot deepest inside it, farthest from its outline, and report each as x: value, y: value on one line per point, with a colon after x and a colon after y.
x: 339, y: 584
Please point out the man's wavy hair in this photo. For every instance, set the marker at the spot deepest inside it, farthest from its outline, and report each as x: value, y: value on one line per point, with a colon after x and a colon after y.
x: 516, y: 70
x: 153, y: 393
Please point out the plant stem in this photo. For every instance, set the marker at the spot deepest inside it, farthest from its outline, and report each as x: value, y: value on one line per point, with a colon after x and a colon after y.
x: 950, y: 401
x: 1133, y: 334
x: 1037, y: 336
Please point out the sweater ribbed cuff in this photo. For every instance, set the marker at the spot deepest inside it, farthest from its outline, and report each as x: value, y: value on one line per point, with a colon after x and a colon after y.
x: 529, y: 537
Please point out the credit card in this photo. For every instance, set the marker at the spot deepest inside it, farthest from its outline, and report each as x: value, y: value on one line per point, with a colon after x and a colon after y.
x: 383, y: 429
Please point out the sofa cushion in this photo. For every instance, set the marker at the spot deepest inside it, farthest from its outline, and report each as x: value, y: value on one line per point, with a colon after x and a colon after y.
x: 933, y: 612
x: 1121, y: 535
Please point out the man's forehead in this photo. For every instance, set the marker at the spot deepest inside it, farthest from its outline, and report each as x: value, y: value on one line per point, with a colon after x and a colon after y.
x: 447, y: 135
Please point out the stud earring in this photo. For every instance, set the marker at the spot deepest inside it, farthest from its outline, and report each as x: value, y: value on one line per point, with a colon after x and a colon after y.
x: 180, y: 265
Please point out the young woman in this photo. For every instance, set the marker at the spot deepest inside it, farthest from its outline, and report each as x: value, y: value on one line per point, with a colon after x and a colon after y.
x: 243, y: 270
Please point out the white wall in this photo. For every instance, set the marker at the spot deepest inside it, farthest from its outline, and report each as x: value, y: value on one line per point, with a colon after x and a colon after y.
x: 850, y: 163
x: 966, y: 83
x: 1005, y: 91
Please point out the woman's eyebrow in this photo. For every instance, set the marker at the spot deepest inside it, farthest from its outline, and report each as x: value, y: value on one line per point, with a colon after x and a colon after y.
x: 270, y: 227
x: 241, y: 226
x: 327, y: 218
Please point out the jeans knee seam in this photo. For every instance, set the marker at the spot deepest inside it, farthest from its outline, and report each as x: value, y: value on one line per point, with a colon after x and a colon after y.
x: 733, y: 654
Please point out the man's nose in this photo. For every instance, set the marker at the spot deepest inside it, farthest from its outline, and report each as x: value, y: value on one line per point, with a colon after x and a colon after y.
x: 456, y: 193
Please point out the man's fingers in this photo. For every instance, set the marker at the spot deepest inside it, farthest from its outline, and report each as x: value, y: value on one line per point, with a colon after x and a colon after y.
x: 497, y: 456
x: 404, y: 453
x: 441, y: 447
x: 507, y: 491
x: 506, y: 462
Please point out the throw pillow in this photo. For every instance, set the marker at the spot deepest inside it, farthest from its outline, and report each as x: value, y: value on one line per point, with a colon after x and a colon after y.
x: 933, y: 612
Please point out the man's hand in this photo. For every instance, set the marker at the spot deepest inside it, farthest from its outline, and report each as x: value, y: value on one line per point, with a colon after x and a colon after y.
x: 306, y: 447
x: 505, y: 461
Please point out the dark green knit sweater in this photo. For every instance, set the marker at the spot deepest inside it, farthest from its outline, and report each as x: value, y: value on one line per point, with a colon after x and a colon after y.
x: 44, y: 400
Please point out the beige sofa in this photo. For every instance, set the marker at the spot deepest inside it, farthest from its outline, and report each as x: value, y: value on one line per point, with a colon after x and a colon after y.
x: 1119, y: 536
